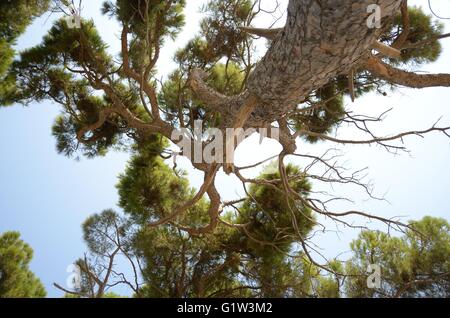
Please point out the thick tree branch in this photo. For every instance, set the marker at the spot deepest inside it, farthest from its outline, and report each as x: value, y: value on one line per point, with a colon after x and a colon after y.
x: 271, y: 34
x: 386, y: 50
x: 425, y: 42
x: 405, y: 78
x: 406, y: 26
x: 213, y: 212
x: 209, y: 96
x: 320, y: 41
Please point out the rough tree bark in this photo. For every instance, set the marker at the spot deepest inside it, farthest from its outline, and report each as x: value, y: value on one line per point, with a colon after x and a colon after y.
x: 321, y: 39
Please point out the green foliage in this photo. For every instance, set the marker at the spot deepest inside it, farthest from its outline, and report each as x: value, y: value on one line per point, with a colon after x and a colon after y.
x: 274, y: 224
x: 150, y: 23
x: 262, y: 256
x: 100, y: 228
x: 41, y: 73
x: 149, y: 189
x: 272, y: 215
x: 65, y: 130
x: 142, y: 17
x: 108, y: 236
x: 422, y: 27
x: 227, y: 79
x: 221, y: 28
x: 195, y: 54
x: 16, y: 279
x: 221, y: 49
x: 15, y: 16
x: 414, y: 265
x: 177, y: 265
x: 7, y: 54
x: 254, y: 260
x: 326, y: 111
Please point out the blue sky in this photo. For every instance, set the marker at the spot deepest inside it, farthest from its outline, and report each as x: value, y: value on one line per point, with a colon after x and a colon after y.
x: 46, y: 196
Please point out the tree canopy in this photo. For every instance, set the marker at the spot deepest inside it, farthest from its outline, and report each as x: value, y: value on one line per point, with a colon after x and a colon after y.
x: 15, y: 16
x: 414, y: 265
x: 180, y: 241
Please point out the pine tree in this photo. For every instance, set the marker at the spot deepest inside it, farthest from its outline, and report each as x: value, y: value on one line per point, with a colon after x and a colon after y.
x: 414, y: 265
x: 16, y: 279
x: 15, y: 16
x: 192, y: 243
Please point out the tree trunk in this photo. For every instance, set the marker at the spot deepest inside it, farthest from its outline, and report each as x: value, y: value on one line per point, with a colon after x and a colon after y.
x: 321, y: 39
